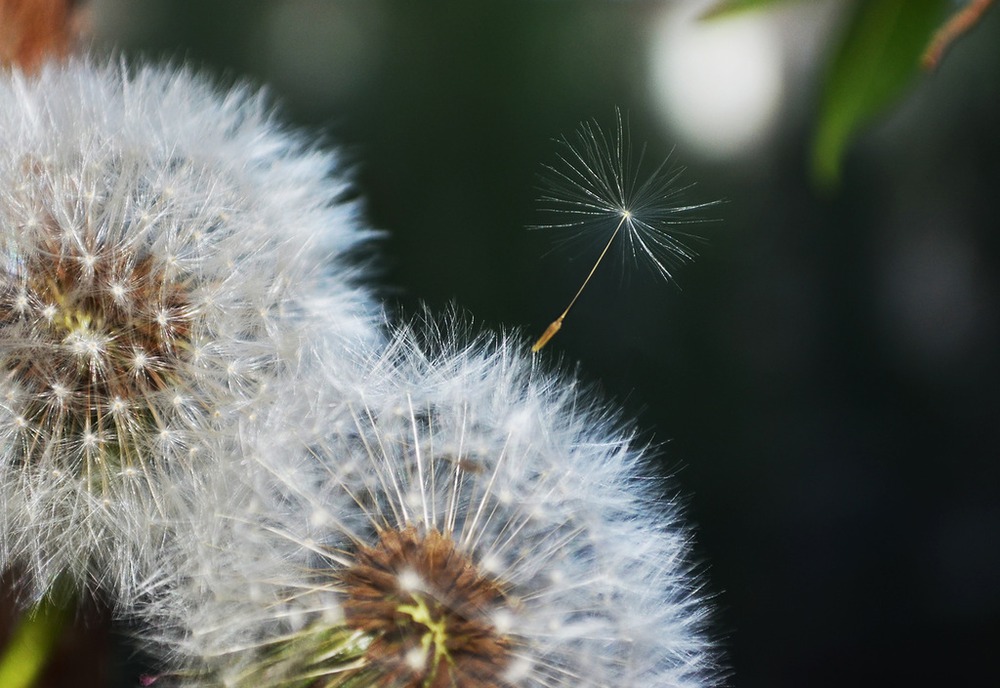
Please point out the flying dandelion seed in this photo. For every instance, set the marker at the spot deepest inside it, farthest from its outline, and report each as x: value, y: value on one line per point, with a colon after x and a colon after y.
x: 471, y: 525
x: 600, y: 185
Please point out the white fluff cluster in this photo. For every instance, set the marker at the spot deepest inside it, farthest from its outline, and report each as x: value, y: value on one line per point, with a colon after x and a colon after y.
x: 197, y: 409
x: 468, y: 520
x: 163, y: 259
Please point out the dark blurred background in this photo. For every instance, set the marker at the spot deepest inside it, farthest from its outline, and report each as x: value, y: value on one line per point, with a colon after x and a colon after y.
x: 824, y: 381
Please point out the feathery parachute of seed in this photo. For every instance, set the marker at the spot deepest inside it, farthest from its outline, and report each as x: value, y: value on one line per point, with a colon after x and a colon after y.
x: 468, y: 520
x: 600, y: 190
x: 599, y: 181
x: 165, y: 255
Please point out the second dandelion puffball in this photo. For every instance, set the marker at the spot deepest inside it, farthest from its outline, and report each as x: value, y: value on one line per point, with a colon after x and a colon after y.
x: 462, y: 518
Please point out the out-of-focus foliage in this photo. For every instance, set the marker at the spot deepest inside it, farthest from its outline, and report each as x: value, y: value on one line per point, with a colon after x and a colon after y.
x: 878, y: 55
x: 726, y: 8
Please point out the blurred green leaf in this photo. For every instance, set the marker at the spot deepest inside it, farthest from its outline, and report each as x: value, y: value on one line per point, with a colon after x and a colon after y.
x: 725, y: 8
x: 878, y: 57
x: 34, y: 640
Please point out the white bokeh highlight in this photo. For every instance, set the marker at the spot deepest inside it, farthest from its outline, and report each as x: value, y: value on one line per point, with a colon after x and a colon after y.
x: 719, y: 84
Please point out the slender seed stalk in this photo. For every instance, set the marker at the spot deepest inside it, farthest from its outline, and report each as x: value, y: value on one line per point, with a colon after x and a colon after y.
x: 556, y: 324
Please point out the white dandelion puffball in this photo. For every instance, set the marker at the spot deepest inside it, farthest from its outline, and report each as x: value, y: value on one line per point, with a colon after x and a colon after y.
x: 475, y: 523
x: 164, y: 248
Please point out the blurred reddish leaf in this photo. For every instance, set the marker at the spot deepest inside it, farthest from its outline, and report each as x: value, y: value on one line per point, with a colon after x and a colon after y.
x: 32, y: 31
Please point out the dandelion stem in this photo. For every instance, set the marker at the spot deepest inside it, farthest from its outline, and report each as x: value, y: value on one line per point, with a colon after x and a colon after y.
x: 556, y: 324
x: 33, y: 642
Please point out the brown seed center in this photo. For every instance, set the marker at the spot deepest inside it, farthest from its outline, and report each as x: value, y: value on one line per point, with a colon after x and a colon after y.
x: 93, y: 336
x: 100, y: 322
x: 429, y: 610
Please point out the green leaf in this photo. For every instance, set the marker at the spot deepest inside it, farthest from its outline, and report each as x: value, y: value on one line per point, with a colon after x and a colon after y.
x: 34, y: 640
x: 879, y: 56
x: 726, y: 8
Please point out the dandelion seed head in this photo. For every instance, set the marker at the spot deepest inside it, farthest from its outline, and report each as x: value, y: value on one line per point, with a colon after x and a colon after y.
x: 460, y: 550
x: 147, y: 222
